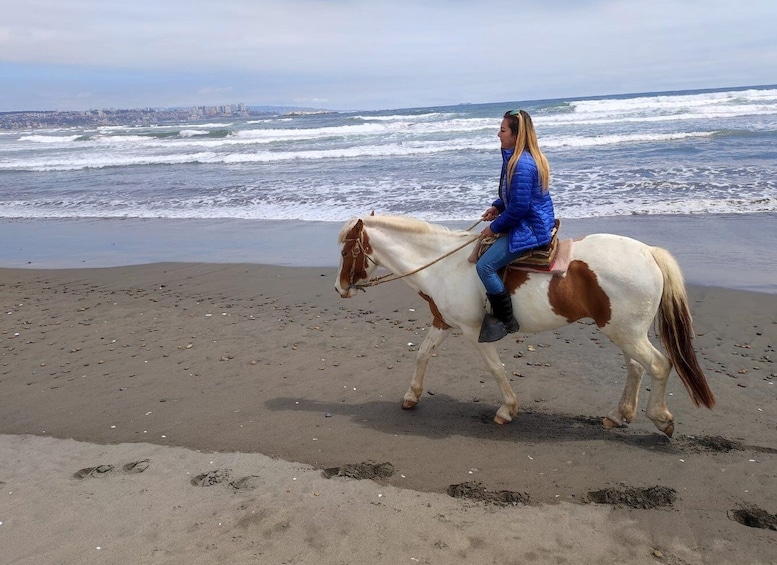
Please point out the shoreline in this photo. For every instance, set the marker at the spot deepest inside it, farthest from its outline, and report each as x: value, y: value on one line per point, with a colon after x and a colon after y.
x: 731, y: 251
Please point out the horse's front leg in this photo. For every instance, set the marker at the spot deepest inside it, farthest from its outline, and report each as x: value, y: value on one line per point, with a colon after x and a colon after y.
x: 509, y: 407
x: 433, y: 338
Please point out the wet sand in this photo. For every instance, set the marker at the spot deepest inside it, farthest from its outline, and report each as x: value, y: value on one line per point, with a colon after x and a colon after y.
x: 729, y: 250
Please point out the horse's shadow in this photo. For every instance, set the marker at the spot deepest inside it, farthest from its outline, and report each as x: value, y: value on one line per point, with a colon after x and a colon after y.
x: 444, y: 416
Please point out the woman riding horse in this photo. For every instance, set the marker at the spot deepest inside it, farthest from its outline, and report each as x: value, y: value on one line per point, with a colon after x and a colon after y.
x: 523, y: 212
x: 621, y: 284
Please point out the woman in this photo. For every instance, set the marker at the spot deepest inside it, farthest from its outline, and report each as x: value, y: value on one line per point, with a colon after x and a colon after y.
x: 522, y: 216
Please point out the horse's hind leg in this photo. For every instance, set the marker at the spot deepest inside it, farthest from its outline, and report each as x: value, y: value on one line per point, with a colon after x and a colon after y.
x: 433, y: 338
x: 627, y: 407
x: 509, y: 407
x: 658, y: 367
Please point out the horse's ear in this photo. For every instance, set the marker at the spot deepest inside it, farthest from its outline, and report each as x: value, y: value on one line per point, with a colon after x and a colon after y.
x: 359, y: 225
x: 372, y: 213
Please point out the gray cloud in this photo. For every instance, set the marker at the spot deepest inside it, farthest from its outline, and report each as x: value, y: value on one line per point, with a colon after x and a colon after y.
x: 365, y: 54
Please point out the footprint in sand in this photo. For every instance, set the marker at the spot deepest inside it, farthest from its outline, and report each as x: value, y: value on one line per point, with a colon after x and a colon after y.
x: 211, y: 478
x: 136, y: 466
x: 250, y: 482
x: 104, y: 470
x: 98, y: 471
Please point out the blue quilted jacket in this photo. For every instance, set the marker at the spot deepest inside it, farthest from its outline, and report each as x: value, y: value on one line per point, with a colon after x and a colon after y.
x: 526, y: 211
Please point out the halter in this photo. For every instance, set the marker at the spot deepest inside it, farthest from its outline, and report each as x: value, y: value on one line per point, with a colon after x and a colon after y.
x: 358, y: 249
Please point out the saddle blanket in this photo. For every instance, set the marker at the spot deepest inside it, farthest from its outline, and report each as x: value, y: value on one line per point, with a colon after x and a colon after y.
x: 559, y: 265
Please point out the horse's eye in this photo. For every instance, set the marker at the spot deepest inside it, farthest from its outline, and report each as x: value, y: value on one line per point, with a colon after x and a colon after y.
x: 343, y: 253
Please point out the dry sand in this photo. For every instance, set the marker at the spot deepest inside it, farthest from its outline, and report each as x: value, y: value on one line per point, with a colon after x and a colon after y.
x: 191, y: 413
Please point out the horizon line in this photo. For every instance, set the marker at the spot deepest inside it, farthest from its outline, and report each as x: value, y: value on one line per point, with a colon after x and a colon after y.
x: 290, y: 107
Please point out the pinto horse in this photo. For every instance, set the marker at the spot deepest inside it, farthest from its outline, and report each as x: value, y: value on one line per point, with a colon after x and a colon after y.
x: 620, y: 283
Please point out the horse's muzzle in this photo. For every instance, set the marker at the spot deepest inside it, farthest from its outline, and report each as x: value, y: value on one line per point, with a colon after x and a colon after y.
x: 345, y: 292
x: 349, y: 292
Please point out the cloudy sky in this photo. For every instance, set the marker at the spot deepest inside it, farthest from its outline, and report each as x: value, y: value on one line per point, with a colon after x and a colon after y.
x: 372, y: 54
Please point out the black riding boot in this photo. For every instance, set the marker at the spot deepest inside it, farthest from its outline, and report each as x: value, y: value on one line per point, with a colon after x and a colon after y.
x: 497, y: 325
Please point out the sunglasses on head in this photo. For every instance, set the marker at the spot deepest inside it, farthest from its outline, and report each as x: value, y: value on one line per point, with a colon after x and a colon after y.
x: 515, y: 112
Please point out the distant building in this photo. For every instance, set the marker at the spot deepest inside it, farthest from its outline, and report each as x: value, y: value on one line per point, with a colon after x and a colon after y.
x: 115, y: 116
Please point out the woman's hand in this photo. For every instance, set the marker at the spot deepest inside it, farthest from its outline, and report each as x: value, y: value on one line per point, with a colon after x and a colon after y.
x: 487, y: 232
x: 490, y: 214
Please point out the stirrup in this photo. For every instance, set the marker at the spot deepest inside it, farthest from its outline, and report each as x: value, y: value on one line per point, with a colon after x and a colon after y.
x: 492, y: 329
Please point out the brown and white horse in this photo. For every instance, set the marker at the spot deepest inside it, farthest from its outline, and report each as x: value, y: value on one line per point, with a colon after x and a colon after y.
x: 620, y: 283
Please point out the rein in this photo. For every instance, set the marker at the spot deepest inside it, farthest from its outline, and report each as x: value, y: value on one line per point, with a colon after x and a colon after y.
x: 391, y: 277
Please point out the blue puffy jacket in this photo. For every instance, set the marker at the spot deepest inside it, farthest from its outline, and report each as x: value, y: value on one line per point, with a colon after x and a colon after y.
x: 526, y: 211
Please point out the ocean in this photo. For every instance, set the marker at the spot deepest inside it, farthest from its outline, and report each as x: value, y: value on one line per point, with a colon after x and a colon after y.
x: 696, y: 153
x: 673, y: 153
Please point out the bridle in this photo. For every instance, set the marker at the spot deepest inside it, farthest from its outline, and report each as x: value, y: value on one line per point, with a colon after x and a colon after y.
x: 358, y: 250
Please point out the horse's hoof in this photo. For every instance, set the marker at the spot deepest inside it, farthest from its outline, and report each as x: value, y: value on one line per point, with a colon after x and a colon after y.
x: 408, y: 404
x: 669, y: 429
x: 501, y: 421
x: 610, y: 424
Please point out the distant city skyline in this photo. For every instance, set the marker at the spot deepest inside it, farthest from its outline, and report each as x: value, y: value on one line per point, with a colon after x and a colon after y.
x: 365, y: 55
x: 33, y: 119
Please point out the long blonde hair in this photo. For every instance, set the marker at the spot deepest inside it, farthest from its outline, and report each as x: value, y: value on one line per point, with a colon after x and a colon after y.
x: 522, y: 127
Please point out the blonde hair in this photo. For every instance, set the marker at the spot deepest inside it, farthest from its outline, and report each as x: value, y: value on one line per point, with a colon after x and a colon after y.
x: 522, y: 127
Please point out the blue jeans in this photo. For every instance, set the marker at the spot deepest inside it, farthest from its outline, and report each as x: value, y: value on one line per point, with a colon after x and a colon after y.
x: 497, y: 256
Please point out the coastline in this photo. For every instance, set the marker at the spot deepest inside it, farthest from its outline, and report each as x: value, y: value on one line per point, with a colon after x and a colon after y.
x: 731, y: 251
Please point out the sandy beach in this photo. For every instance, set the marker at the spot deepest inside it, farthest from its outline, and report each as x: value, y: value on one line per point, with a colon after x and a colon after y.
x: 242, y: 413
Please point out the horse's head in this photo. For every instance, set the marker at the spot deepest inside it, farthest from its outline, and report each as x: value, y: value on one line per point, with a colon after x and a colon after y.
x: 356, y: 265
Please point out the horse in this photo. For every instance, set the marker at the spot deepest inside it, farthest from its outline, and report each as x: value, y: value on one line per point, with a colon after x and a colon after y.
x: 622, y: 284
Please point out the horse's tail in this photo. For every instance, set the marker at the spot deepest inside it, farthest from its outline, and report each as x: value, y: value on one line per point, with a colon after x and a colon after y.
x: 676, y: 329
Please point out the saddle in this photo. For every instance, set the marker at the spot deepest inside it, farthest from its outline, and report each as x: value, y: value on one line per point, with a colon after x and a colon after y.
x: 538, y: 259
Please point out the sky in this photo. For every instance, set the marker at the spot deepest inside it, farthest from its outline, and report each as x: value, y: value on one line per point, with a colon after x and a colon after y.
x: 372, y: 54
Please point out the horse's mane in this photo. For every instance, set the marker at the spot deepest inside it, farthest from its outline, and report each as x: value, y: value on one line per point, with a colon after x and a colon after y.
x: 400, y: 223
